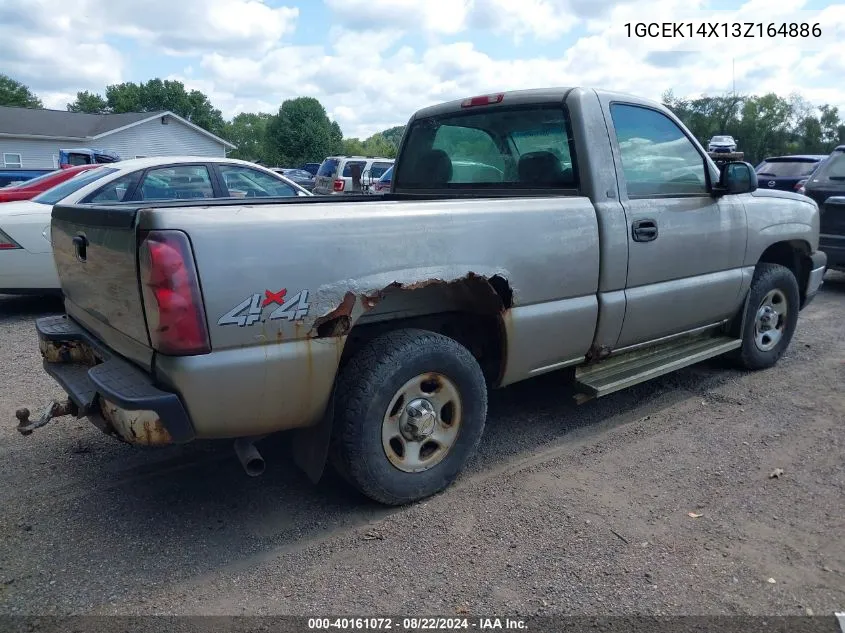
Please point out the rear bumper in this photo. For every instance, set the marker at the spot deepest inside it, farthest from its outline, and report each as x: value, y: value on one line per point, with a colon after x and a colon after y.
x: 818, y: 265
x: 114, y: 394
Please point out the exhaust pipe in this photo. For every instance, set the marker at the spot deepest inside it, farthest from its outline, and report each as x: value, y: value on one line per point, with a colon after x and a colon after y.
x: 249, y: 456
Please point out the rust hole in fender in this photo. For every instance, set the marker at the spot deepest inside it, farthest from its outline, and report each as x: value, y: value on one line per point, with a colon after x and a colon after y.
x: 488, y: 295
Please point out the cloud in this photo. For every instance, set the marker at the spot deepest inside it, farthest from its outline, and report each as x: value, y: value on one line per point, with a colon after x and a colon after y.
x: 60, y: 46
x: 372, y: 63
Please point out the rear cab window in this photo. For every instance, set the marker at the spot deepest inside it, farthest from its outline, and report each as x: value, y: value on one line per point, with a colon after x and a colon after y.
x: 786, y: 168
x: 521, y: 147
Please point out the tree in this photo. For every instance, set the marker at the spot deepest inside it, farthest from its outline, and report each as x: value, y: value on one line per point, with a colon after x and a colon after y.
x: 376, y: 145
x: 247, y: 131
x: 15, y: 94
x: 301, y: 132
x: 89, y: 102
x: 153, y: 96
x: 829, y: 123
x: 393, y: 135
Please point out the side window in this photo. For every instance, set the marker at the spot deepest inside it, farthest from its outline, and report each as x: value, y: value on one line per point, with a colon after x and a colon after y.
x: 378, y: 169
x: 657, y: 157
x: 178, y: 182
x: 244, y: 182
x: 116, y: 190
x: 347, y: 169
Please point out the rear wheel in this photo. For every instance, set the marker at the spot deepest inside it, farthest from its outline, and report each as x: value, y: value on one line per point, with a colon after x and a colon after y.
x: 410, y: 412
x: 771, y: 317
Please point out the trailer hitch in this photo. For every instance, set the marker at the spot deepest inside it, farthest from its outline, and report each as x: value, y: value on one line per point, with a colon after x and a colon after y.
x: 54, y: 409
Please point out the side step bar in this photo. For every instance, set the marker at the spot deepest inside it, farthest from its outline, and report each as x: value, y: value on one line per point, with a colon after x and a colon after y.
x: 601, y: 379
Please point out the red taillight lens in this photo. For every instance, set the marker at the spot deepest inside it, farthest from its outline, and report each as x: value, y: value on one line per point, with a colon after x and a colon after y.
x: 482, y: 100
x: 7, y: 243
x: 339, y: 184
x: 799, y: 184
x: 172, y: 299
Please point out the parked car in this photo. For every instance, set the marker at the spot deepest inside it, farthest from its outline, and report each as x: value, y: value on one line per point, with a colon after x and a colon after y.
x: 383, y: 184
x: 26, y: 258
x: 720, y: 144
x: 311, y: 168
x: 301, y: 177
x: 86, y: 156
x: 375, y: 328
x: 827, y: 187
x: 17, y: 176
x: 787, y: 173
x: 31, y: 188
x: 335, y: 174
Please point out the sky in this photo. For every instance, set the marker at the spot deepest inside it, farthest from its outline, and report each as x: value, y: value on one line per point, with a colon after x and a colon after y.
x: 372, y: 63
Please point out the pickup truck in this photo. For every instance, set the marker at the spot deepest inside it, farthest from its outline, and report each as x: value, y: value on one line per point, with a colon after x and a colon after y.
x: 583, y: 230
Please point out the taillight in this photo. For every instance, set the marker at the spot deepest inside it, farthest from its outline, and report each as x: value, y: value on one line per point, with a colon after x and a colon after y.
x: 339, y: 184
x: 482, y: 100
x: 7, y: 243
x: 799, y: 186
x: 172, y: 299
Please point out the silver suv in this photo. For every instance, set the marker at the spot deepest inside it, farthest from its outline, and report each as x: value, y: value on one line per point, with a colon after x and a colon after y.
x: 335, y: 175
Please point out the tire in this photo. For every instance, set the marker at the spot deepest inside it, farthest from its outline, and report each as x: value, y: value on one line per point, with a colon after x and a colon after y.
x: 773, y: 285
x: 389, y: 458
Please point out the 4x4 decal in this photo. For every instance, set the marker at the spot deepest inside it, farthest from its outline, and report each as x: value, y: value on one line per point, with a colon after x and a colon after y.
x: 251, y: 309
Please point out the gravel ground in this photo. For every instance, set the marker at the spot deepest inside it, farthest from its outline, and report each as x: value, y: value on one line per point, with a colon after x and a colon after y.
x: 566, y: 509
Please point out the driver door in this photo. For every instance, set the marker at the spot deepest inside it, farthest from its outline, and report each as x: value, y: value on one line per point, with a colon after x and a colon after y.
x: 685, y: 247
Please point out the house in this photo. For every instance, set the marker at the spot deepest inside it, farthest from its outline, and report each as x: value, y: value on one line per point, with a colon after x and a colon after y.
x: 31, y: 138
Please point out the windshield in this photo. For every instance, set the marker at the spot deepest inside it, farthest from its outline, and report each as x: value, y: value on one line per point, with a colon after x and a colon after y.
x: 528, y: 147
x: 722, y: 139
x: 786, y: 168
x: 62, y: 191
x: 385, y: 177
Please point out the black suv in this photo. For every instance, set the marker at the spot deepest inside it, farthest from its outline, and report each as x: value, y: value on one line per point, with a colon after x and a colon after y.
x: 827, y: 187
x: 786, y: 173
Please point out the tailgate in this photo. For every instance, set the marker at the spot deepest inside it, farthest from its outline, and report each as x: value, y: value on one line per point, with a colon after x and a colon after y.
x: 95, y: 251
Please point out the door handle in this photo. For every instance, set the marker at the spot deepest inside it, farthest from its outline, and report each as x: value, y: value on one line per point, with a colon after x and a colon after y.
x: 80, y: 243
x: 644, y: 230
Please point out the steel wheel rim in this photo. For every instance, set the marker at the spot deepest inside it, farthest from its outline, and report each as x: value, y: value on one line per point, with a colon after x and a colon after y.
x: 770, y: 320
x: 422, y: 422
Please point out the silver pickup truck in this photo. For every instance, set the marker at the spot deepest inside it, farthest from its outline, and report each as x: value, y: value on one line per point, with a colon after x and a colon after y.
x: 524, y: 233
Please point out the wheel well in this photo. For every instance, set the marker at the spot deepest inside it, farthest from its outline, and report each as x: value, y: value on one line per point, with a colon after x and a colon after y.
x: 794, y: 255
x: 469, y: 310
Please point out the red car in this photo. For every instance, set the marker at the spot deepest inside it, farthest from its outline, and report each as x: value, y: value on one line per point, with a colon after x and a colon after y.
x: 31, y: 188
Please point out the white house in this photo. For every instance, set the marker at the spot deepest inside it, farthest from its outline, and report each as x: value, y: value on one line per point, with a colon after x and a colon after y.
x: 30, y: 138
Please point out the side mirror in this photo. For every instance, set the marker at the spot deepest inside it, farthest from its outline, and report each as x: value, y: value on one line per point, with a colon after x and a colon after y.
x: 736, y: 177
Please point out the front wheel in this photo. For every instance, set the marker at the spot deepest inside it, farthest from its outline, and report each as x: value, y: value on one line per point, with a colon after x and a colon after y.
x: 771, y: 317
x: 410, y: 412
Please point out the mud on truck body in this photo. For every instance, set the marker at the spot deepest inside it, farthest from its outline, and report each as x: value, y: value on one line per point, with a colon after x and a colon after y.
x: 525, y: 232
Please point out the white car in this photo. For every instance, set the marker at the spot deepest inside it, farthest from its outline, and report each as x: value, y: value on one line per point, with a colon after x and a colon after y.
x: 26, y: 256
x: 725, y: 144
